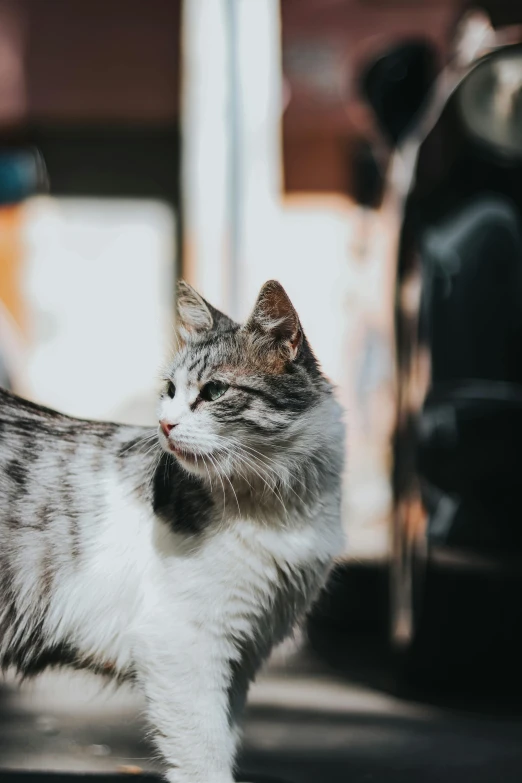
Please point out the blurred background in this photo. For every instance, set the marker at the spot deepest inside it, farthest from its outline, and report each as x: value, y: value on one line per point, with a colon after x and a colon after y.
x: 218, y: 141
x: 367, y: 154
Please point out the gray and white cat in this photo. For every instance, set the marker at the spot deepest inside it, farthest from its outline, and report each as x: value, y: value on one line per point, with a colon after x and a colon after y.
x: 177, y: 558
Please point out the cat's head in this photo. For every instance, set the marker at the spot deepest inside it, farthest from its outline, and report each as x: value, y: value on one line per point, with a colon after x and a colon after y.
x: 242, y: 400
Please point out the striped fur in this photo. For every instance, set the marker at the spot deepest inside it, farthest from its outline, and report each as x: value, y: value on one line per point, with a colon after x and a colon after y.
x: 177, y: 558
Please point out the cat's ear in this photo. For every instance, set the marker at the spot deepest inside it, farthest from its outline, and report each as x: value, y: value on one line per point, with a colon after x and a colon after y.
x: 275, y: 320
x: 196, y: 315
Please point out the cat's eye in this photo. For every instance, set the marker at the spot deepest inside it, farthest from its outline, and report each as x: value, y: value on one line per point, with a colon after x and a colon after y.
x: 213, y: 390
x: 171, y: 389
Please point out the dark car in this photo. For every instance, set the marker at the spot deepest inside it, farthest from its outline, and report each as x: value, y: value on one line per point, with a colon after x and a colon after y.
x: 456, y: 188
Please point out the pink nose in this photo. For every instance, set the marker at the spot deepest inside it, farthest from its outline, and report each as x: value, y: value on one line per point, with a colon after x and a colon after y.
x: 166, y: 427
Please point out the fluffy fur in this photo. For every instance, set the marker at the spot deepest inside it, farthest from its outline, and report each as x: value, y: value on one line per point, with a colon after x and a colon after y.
x: 177, y: 558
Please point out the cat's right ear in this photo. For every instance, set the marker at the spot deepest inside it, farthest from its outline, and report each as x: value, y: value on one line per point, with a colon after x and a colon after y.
x: 196, y: 316
x: 274, y: 321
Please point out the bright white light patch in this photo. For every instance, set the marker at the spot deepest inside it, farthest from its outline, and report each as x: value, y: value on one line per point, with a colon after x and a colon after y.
x: 99, y: 282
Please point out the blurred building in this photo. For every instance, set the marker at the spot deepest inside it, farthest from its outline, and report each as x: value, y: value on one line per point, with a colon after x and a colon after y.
x: 219, y: 139
x: 95, y: 86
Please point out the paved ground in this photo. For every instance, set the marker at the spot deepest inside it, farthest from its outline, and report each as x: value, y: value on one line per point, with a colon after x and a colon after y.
x: 306, y: 724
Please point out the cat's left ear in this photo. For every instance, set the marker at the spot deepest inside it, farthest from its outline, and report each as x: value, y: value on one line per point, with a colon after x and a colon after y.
x: 196, y: 315
x: 275, y: 320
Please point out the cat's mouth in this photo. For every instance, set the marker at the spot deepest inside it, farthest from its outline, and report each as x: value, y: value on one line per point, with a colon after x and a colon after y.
x: 183, y: 453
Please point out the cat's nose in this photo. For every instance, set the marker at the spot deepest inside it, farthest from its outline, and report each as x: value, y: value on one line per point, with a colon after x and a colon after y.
x: 166, y: 427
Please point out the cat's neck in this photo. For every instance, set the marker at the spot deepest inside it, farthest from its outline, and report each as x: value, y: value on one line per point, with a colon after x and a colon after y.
x: 191, y: 502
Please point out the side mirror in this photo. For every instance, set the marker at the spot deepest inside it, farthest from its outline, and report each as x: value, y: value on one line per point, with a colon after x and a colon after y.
x: 22, y: 174
x: 396, y: 84
x: 367, y: 175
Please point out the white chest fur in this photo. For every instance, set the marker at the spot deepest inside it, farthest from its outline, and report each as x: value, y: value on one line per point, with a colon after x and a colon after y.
x: 137, y: 577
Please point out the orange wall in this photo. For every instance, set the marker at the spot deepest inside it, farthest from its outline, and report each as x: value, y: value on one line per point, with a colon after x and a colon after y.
x: 316, y: 162
x: 10, y: 261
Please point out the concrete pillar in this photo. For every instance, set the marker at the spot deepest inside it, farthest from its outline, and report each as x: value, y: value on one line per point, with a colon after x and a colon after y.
x: 231, y: 104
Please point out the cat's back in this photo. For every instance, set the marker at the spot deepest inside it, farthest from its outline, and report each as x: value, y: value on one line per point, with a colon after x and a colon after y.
x: 19, y: 417
x: 50, y: 462
x: 30, y: 435
x: 34, y: 432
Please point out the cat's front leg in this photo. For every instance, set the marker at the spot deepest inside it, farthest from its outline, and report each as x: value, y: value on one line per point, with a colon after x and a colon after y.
x: 187, y: 706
